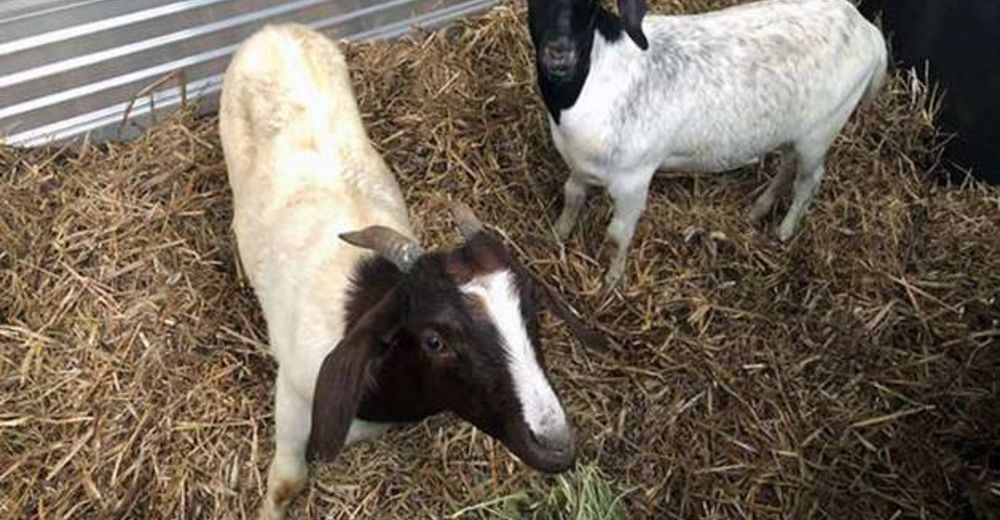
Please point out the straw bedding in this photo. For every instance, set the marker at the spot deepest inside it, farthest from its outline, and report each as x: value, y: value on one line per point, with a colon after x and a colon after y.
x: 849, y: 374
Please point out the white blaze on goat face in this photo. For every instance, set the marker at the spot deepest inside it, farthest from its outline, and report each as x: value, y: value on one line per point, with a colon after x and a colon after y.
x: 542, y: 411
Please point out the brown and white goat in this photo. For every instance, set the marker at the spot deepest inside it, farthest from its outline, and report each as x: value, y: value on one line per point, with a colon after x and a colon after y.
x: 366, y: 327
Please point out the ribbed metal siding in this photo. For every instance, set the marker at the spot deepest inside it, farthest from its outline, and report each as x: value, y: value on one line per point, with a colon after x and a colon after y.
x: 68, y: 67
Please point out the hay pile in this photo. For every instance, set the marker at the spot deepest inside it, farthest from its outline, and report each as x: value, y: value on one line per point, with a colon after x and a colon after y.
x: 850, y: 374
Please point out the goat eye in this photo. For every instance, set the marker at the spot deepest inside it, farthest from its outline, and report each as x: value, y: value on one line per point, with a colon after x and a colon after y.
x: 433, y: 343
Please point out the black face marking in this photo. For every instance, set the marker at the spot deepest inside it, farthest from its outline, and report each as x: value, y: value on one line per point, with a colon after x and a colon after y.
x: 440, y: 350
x: 562, y: 32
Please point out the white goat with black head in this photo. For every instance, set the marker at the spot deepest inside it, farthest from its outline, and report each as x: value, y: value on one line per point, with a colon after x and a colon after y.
x: 707, y: 93
x: 366, y: 327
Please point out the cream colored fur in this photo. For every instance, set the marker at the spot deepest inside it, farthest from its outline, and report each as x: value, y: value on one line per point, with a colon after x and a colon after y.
x: 302, y: 171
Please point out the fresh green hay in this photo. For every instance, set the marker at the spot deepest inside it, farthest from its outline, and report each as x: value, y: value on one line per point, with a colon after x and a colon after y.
x: 584, y: 494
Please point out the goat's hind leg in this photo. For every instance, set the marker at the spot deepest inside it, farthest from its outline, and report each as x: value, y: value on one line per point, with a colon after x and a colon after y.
x: 807, y: 180
x: 811, y: 151
x: 786, y: 171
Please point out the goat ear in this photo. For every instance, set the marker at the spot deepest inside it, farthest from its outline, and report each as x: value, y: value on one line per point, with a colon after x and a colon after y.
x: 555, y: 303
x: 632, y: 12
x: 343, y: 379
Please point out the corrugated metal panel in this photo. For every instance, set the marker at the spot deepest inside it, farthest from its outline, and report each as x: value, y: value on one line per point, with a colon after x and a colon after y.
x: 68, y: 67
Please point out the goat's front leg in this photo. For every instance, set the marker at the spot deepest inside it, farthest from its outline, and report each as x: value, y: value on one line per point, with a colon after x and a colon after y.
x: 629, y: 194
x: 574, y: 196
x: 288, y: 473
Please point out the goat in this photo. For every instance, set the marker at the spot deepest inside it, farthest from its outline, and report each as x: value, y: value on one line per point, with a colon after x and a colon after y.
x: 709, y: 93
x: 367, y: 328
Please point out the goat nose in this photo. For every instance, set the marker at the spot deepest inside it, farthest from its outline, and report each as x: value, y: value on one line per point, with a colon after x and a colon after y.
x: 558, y: 58
x: 557, y: 440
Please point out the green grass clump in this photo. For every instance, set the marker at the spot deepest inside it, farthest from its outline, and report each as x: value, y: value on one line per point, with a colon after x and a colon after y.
x: 583, y: 494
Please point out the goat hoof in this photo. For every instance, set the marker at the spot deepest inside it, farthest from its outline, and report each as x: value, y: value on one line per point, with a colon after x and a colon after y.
x: 276, y: 501
x: 612, y: 279
x: 563, y: 231
x: 758, y: 212
x: 268, y: 512
x: 785, y: 234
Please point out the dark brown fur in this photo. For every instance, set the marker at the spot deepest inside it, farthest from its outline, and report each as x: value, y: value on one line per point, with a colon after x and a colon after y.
x: 384, y: 371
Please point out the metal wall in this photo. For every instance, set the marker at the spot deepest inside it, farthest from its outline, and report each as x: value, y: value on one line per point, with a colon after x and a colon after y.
x: 69, y: 67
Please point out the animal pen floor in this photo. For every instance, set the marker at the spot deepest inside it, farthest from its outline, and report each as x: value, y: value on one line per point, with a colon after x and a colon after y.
x: 849, y: 374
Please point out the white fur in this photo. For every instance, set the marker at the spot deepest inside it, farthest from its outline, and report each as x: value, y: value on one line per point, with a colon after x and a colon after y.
x: 714, y: 92
x: 539, y: 404
x: 302, y: 171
